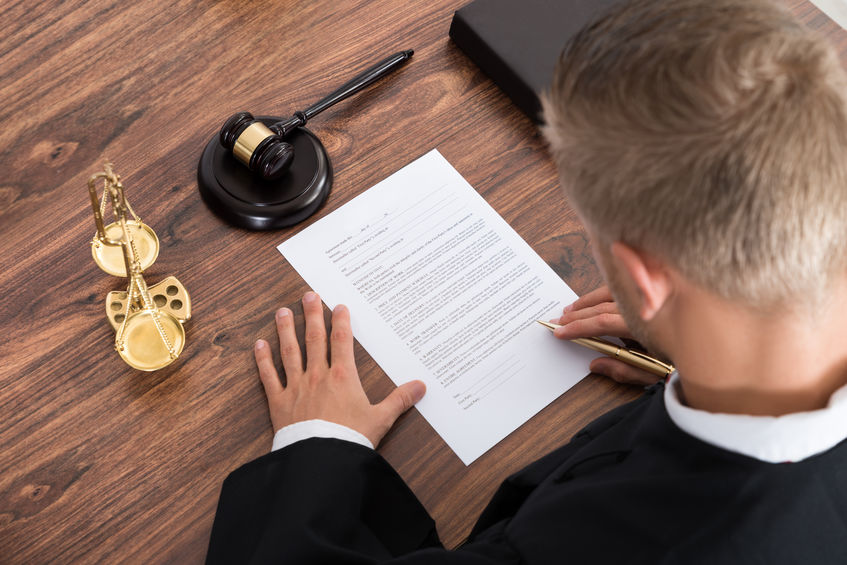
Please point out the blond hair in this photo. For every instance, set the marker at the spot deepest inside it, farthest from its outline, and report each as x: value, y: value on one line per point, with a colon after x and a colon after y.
x: 714, y: 134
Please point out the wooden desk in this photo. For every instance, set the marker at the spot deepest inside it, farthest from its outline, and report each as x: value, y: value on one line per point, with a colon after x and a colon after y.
x: 103, y: 463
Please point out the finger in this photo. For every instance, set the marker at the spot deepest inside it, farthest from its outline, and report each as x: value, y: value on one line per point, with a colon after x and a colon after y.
x: 267, y: 371
x: 289, y: 348
x: 315, y: 337
x: 341, y: 337
x: 401, y: 399
x: 596, y: 296
x: 621, y: 372
x: 601, y: 324
x: 588, y: 312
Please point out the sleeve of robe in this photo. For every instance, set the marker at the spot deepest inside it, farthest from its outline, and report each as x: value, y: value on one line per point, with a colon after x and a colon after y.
x: 329, y: 501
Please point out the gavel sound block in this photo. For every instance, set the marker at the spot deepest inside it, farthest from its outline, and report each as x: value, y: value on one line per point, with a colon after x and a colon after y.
x: 246, y: 200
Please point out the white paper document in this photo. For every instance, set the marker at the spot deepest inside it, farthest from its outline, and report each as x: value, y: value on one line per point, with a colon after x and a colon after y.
x: 440, y: 288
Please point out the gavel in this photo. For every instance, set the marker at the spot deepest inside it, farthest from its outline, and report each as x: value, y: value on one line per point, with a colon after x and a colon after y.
x: 263, y: 149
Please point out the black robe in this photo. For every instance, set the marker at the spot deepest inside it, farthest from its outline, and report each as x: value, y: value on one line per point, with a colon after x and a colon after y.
x: 629, y: 488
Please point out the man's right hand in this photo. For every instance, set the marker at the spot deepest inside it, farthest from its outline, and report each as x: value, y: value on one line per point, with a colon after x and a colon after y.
x: 596, y: 315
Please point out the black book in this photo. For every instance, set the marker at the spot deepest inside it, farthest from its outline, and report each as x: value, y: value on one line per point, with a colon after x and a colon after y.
x: 517, y: 42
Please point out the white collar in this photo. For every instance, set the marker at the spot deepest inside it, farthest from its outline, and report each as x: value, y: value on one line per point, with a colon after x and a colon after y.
x: 774, y: 439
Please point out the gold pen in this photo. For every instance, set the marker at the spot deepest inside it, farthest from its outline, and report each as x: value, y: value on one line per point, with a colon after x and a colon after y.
x: 628, y: 356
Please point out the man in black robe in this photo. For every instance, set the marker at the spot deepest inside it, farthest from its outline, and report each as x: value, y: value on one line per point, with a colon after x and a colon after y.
x: 704, y: 145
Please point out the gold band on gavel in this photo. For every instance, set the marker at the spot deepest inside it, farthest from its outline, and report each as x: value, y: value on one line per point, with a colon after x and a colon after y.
x: 249, y: 140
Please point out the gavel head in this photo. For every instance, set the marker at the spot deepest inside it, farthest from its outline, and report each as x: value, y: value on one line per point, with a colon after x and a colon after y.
x: 254, y: 144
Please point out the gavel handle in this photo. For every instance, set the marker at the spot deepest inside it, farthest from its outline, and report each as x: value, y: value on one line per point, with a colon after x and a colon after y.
x: 354, y: 85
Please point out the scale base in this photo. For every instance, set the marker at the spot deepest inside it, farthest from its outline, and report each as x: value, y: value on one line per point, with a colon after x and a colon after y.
x: 244, y: 200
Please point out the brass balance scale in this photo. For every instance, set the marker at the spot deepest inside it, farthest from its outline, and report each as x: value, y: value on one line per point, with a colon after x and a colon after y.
x: 148, y: 321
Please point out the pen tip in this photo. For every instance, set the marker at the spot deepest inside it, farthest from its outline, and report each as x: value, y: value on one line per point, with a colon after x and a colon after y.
x: 547, y: 325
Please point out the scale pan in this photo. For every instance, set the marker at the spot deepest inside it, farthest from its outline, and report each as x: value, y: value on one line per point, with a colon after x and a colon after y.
x: 110, y: 258
x: 143, y: 347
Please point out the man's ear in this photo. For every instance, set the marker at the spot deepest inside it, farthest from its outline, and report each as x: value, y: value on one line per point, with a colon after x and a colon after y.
x: 648, y: 273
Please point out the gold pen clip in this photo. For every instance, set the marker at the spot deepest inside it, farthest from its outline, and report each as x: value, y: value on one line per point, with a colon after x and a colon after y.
x: 668, y: 368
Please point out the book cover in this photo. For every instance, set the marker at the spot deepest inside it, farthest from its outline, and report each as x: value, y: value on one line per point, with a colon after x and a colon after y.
x: 517, y: 44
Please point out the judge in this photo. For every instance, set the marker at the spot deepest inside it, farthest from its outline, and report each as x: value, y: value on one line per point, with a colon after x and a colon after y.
x: 704, y: 145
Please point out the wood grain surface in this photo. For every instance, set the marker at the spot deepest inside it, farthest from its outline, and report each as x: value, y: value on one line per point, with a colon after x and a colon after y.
x: 102, y: 463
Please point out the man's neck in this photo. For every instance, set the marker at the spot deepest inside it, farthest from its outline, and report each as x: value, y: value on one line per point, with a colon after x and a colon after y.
x: 737, y: 361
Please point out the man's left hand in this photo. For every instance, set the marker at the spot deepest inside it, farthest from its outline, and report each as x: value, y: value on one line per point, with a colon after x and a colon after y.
x: 326, y: 390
